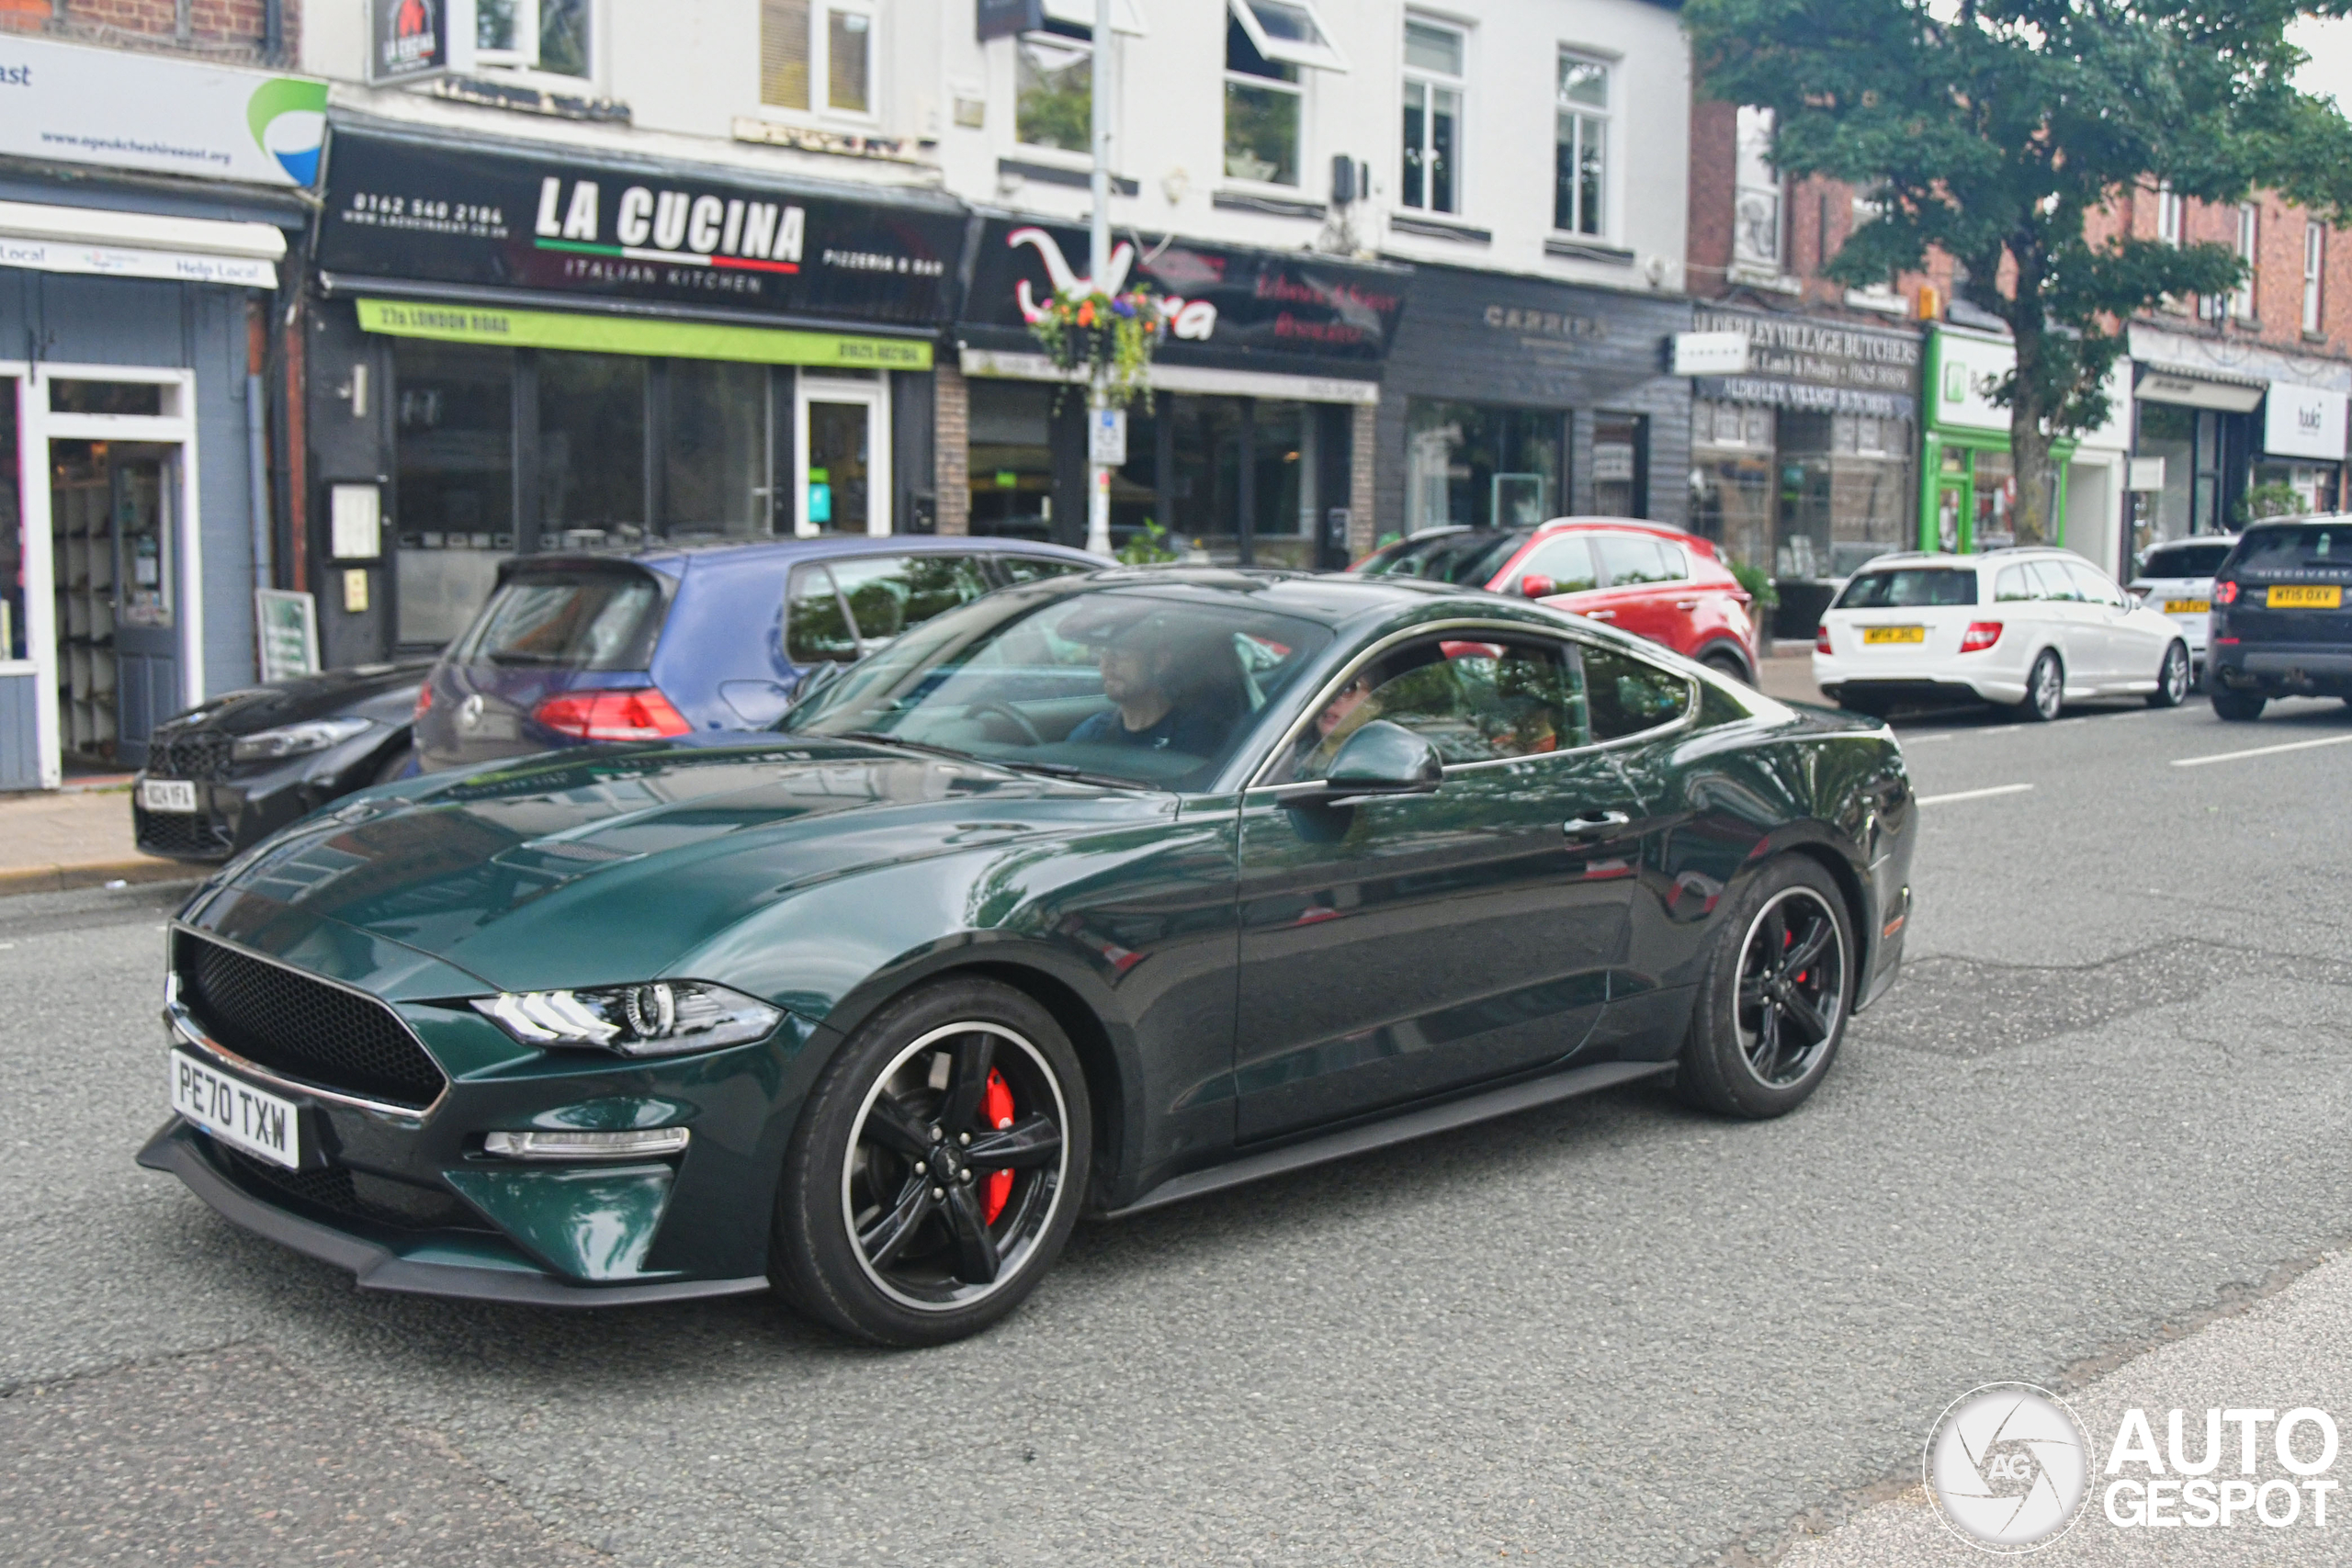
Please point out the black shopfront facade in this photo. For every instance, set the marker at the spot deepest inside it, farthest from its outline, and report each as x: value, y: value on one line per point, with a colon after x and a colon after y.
x: 1263, y: 390
x: 515, y: 348
x: 1507, y: 400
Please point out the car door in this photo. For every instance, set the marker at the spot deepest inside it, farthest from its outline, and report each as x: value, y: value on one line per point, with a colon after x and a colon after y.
x: 1407, y: 946
x: 2066, y: 621
x: 1645, y: 578
x: 2129, y: 648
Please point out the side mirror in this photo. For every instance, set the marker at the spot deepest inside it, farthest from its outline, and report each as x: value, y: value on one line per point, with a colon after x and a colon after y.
x: 1380, y: 758
x: 1535, y: 585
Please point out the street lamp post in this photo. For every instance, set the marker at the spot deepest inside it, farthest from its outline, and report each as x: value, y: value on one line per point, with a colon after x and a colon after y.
x: 1098, y: 474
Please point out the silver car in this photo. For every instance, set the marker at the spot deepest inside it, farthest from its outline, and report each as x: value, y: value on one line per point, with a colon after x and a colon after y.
x: 2176, y: 578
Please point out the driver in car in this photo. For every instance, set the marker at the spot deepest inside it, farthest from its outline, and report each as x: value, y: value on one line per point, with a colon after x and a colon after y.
x: 1162, y: 690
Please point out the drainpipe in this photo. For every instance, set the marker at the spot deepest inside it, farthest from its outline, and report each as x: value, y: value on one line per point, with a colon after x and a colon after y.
x: 272, y: 30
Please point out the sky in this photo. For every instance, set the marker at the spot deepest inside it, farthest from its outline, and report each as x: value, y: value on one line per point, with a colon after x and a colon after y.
x: 2329, y: 43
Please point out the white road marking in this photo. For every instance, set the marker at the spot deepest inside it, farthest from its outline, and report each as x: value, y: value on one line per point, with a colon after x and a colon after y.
x: 1974, y: 793
x: 2260, y: 752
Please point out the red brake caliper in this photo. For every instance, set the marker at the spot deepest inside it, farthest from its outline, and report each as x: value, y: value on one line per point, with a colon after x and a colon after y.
x: 995, y: 1108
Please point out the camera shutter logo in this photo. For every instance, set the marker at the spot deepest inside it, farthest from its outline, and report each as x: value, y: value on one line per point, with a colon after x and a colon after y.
x: 2007, y: 1466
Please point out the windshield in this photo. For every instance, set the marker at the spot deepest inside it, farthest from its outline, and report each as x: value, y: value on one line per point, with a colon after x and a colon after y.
x: 2184, y: 560
x: 570, y: 620
x: 1153, y: 686
x: 1467, y: 559
x: 1909, y: 590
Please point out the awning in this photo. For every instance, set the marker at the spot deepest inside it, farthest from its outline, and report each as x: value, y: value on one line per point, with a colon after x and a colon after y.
x: 2199, y: 388
x: 636, y: 335
x: 1003, y: 365
x: 108, y: 242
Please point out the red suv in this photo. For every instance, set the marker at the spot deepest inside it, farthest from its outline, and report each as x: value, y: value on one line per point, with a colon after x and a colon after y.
x: 1659, y: 583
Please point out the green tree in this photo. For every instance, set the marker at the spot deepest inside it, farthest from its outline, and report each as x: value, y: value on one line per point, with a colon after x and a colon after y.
x: 2000, y: 132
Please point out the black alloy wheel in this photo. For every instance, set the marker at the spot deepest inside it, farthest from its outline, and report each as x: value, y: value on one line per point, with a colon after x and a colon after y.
x: 2237, y: 707
x: 2045, y: 689
x: 938, y: 1169
x: 1771, y: 1006
x: 1730, y: 665
x: 2172, y: 680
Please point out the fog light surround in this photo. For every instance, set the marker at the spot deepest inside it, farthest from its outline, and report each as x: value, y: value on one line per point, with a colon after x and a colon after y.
x: 639, y: 1143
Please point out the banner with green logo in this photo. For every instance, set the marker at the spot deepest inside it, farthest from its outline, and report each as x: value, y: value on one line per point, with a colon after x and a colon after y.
x: 635, y: 334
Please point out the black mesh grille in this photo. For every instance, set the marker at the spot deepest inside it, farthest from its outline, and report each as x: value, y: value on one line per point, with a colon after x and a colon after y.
x: 180, y: 834
x: 204, y: 754
x: 354, y: 1193
x: 305, y: 1028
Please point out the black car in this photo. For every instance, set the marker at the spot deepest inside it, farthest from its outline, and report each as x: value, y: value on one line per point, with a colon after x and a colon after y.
x: 225, y: 775
x: 2281, y: 627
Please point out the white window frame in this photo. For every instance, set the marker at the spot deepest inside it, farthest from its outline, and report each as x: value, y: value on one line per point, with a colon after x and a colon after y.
x: 1431, y: 83
x: 2171, y: 214
x: 526, y: 60
x: 2249, y: 252
x: 1126, y: 16
x: 1614, y: 66
x: 820, y: 67
x: 1758, y: 123
x: 1228, y: 77
x: 1076, y: 157
x: 874, y: 396
x: 2314, y: 273
x: 1321, y: 55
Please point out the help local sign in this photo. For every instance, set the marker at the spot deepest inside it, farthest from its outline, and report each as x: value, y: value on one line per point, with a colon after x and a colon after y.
x: 69, y: 105
x: 2304, y: 422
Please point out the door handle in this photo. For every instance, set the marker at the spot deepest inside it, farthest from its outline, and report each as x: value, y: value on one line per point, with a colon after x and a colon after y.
x: 1686, y: 604
x: 1594, y: 824
x: 1600, y: 615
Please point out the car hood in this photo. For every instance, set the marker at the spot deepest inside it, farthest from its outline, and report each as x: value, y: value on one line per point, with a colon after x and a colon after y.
x: 603, y: 864
x: 386, y: 693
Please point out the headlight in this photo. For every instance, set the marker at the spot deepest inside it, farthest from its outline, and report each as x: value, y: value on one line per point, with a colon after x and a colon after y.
x: 294, y: 739
x: 660, y: 1018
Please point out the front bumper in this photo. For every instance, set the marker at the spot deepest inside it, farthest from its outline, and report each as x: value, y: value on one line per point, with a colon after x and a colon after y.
x: 455, y: 1264
x: 234, y: 813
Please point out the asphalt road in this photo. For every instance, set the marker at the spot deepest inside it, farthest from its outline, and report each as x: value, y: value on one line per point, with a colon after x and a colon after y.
x: 2107, y: 1102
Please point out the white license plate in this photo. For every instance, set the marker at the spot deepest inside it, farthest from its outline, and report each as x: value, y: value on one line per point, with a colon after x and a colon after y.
x: 166, y: 794
x: 236, y: 1113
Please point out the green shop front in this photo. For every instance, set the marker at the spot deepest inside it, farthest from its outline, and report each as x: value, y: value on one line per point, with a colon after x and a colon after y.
x: 1968, y: 481
x: 513, y: 349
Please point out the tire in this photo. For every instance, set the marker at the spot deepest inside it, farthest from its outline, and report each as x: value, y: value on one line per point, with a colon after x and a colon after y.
x: 2237, y: 707
x: 1728, y: 664
x: 2045, y: 689
x: 854, y: 1190
x: 1748, y: 1054
x: 2172, y: 679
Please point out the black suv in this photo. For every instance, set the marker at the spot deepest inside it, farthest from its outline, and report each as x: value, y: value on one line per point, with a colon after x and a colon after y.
x: 2282, y: 626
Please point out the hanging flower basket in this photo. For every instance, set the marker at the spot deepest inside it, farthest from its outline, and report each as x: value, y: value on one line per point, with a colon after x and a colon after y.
x: 1109, y: 337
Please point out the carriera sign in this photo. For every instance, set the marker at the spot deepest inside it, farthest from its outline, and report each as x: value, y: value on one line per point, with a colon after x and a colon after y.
x: 1224, y: 307
x: 402, y: 208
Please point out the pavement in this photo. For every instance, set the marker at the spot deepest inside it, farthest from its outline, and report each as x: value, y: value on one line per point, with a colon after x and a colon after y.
x: 2095, y: 1139
x: 79, y: 837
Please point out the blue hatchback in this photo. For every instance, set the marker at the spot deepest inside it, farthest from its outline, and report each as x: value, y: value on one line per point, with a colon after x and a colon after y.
x: 668, y: 640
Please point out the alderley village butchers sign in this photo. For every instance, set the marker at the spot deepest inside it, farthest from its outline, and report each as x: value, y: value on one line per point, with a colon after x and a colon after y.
x: 398, y: 209
x: 1817, y: 366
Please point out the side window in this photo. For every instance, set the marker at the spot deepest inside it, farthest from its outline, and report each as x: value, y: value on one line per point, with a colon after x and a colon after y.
x: 1630, y: 560
x: 816, y: 627
x: 1673, y: 563
x: 2093, y: 586
x: 1476, y: 702
x: 1036, y: 569
x: 888, y: 595
x: 1628, y: 695
x: 1566, y: 560
x: 2049, y: 578
x: 2014, y: 586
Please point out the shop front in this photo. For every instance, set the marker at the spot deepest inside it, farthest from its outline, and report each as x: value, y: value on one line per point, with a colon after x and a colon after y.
x: 1509, y: 401
x: 147, y: 207
x: 1968, y: 485
x: 517, y: 348
x: 2228, y: 431
x: 1249, y: 447
x: 1802, y: 467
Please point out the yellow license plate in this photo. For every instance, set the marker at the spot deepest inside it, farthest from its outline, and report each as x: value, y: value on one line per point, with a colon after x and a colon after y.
x: 2307, y: 598
x: 2186, y: 606
x: 1896, y: 634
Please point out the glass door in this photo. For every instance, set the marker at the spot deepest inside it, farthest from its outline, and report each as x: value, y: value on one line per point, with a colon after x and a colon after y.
x: 843, y: 459
x: 115, y: 547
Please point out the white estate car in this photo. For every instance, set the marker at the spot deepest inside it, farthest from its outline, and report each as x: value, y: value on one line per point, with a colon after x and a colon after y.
x: 2032, y: 627
x: 2177, y: 579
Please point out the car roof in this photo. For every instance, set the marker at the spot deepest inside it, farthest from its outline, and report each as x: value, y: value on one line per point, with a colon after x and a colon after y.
x: 1633, y: 525
x: 674, y: 556
x: 1955, y: 559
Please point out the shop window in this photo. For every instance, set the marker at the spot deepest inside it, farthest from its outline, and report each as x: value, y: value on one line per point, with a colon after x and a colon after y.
x: 1845, y: 495
x: 1620, y: 461
x: 1052, y: 73
x: 591, y: 449
x: 1228, y: 456
x: 1486, y: 468
x: 454, y: 462
x: 714, y: 450
x: 106, y: 397
x: 1580, y: 183
x: 1756, y: 197
x: 1434, y: 67
x: 1262, y: 100
x: 816, y: 55
x: 1012, y: 464
x: 534, y: 35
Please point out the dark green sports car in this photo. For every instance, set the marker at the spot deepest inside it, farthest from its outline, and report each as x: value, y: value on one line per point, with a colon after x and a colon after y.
x: 1094, y: 895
